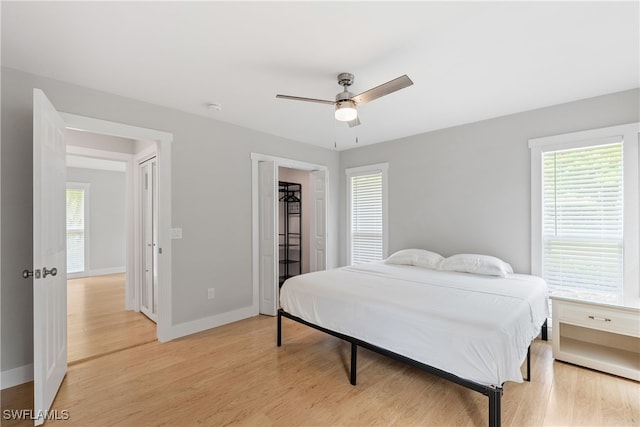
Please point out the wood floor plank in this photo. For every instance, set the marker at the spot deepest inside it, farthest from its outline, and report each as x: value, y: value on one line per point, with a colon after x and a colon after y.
x: 97, y: 322
x: 235, y: 375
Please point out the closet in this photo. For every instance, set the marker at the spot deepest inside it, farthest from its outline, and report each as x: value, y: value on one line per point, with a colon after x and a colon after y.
x: 290, y: 230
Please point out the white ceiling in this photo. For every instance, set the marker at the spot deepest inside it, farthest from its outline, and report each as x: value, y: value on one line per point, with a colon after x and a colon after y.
x: 469, y: 60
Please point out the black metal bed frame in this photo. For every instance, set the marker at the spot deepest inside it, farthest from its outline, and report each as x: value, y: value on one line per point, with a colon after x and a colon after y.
x: 492, y: 392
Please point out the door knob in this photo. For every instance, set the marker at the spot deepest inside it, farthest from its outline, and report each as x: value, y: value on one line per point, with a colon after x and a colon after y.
x: 26, y: 274
x: 51, y: 272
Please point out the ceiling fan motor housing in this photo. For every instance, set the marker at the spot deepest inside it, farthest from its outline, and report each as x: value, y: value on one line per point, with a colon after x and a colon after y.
x: 344, y: 96
x: 345, y: 79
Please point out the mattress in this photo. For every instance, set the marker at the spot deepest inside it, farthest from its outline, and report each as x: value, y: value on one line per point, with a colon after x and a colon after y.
x: 475, y: 327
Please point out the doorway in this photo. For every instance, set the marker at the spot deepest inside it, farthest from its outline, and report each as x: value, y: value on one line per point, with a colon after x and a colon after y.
x: 265, y: 235
x: 149, y: 143
x: 294, y: 207
x: 101, y: 171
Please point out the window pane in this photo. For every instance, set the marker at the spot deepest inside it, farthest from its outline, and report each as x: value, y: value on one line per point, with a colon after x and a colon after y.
x: 582, y: 218
x: 366, y: 218
x: 75, y: 230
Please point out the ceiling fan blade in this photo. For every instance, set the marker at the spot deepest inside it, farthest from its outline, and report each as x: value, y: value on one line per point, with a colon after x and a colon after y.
x: 382, y: 90
x: 354, y: 122
x: 298, y: 98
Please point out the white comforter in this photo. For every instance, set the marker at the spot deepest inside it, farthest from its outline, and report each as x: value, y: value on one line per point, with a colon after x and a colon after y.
x: 475, y: 327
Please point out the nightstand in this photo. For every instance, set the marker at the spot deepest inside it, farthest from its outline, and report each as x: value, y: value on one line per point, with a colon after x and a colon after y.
x: 597, y: 335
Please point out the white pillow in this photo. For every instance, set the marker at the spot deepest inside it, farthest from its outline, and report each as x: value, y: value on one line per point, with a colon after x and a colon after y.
x: 476, y: 264
x: 416, y: 257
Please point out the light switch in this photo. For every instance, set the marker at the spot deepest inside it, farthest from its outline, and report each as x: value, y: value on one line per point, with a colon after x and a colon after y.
x: 176, y: 233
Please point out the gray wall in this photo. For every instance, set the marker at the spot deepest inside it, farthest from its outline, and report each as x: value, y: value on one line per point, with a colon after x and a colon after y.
x: 211, y: 184
x: 463, y: 189
x: 468, y: 188
x: 107, y: 241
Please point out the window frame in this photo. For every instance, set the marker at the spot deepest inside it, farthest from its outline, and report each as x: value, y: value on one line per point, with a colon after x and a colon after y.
x: 382, y: 168
x: 631, y: 184
x: 86, y: 187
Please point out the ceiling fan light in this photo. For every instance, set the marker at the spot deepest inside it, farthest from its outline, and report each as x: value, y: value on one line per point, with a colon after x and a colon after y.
x: 346, y: 111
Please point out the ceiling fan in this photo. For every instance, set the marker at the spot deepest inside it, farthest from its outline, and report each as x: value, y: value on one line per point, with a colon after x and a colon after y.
x: 346, y: 102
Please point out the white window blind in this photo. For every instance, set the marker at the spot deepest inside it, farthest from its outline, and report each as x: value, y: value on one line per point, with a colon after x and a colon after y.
x: 582, y: 230
x: 75, y: 230
x: 366, y: 217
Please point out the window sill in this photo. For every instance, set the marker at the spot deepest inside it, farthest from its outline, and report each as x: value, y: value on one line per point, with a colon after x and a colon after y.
x: 612, y: 300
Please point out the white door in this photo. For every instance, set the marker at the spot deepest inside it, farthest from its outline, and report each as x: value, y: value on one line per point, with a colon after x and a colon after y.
x: 318, y: 240
x: 49, y: 254
x: 268, y: 237
x: 149, y: 227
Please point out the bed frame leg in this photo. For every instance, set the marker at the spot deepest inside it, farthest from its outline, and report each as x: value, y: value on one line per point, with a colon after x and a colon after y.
x: 354, y: 359
x: 494, y: 407
x: 279, y: 339
x: 545, y: 332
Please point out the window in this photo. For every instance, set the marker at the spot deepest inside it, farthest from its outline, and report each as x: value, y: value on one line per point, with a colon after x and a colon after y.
x: 582, y: 218
x: 77, y: 235
x: 585, y: 213
x: 367, y: 213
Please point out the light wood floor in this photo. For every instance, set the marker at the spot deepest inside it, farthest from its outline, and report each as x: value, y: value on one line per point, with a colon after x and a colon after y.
x: 235, y: 375
x: 97, y: 322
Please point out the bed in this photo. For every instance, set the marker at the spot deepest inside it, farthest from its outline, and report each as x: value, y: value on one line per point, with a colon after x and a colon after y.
x: 472, y: 329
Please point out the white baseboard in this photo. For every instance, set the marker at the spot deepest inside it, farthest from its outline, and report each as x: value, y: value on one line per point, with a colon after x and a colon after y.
x: 188, y: 328
x: 16, y: 376
x: 97, y: 272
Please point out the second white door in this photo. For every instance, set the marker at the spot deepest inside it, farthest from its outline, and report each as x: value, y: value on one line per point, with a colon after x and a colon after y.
x: 149, y: 228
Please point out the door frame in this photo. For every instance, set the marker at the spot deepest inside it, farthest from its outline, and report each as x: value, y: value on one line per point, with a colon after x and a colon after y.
x: 256, y: 158
x: 163, y: 142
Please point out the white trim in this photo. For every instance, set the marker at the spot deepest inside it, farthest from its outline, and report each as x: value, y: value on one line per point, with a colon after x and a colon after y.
x: 146, y: 154
x: 255, y: 217
x: 585, y: 137
x: 365, y: 170
x: 17, y: 376
x: 194, y: 326
x: 1, y: 258
x: 163, y: 140
x: 629, y: 133
x: 104, y: 127
x: 287, y: 163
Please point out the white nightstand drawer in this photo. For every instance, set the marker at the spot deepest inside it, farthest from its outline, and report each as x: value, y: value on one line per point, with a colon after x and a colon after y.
x: 598, y: 317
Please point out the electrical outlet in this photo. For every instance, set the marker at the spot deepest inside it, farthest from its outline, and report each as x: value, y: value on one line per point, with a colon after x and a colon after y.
x: 176, y: 233
x: 211, y: 293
